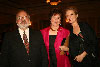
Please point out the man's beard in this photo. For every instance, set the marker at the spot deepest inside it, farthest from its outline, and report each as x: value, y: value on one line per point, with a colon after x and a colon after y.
x: 23, y: 26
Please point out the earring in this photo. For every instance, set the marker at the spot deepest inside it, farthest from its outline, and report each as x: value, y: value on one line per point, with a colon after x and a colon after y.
x: 59, y: 24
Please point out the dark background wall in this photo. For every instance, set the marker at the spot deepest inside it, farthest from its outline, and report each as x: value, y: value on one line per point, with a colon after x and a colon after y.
x: 89, y: 11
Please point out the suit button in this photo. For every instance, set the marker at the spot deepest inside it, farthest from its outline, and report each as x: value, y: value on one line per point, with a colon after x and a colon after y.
x: 29, y: 60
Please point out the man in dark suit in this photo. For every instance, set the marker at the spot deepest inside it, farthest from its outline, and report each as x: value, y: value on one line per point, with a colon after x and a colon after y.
x: 20, y: 52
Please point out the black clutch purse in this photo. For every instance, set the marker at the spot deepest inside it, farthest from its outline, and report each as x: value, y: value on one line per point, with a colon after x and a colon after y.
x: 63, y: 41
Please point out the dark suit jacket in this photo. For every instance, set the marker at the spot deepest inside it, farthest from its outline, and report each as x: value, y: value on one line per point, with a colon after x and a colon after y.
x: 13, y: 52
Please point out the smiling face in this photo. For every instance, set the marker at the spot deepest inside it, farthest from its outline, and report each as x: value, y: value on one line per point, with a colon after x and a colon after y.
x: 22, y: 20
x: 55, y: 20
x: 71, y: 16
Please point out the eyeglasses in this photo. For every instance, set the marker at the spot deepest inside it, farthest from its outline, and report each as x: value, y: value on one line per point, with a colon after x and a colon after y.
x: 24, y: 17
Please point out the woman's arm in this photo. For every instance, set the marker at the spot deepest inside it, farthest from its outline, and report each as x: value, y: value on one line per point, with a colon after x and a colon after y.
x: 79, y: 58
x: 65, y: 46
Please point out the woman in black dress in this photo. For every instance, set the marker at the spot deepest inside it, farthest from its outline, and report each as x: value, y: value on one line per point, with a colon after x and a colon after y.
x: 82, y: 41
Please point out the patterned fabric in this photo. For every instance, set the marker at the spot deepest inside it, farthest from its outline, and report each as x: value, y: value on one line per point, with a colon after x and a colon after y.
x: 26, y: 43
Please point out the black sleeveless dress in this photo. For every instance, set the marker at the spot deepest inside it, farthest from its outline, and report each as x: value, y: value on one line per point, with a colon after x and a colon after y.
x: 53, y: 60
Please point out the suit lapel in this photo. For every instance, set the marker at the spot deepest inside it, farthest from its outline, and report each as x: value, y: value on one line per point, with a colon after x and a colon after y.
x: 18, y: 38
x: 19, y: 42
x: 31, y: 35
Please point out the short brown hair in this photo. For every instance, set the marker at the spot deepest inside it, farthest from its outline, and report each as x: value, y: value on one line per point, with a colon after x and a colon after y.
x: 54, y: 12
x: 72, y: 8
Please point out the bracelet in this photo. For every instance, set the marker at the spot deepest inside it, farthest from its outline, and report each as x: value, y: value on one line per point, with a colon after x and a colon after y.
x: 80, y: 32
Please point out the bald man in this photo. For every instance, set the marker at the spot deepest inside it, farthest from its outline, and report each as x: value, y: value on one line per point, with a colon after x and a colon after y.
x: 23, y: 47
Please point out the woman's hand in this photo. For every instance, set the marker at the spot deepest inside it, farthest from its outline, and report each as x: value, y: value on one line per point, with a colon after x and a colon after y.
x: 80, y: 57
x: 63, y: 48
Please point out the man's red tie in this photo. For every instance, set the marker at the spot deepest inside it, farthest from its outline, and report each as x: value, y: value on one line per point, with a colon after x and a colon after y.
x: 26, y: 43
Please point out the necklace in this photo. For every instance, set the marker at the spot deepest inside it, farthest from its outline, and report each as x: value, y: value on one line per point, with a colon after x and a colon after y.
x: 53, y: 29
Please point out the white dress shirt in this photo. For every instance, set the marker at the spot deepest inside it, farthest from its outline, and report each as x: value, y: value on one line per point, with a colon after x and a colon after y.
x: 22, y: 32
